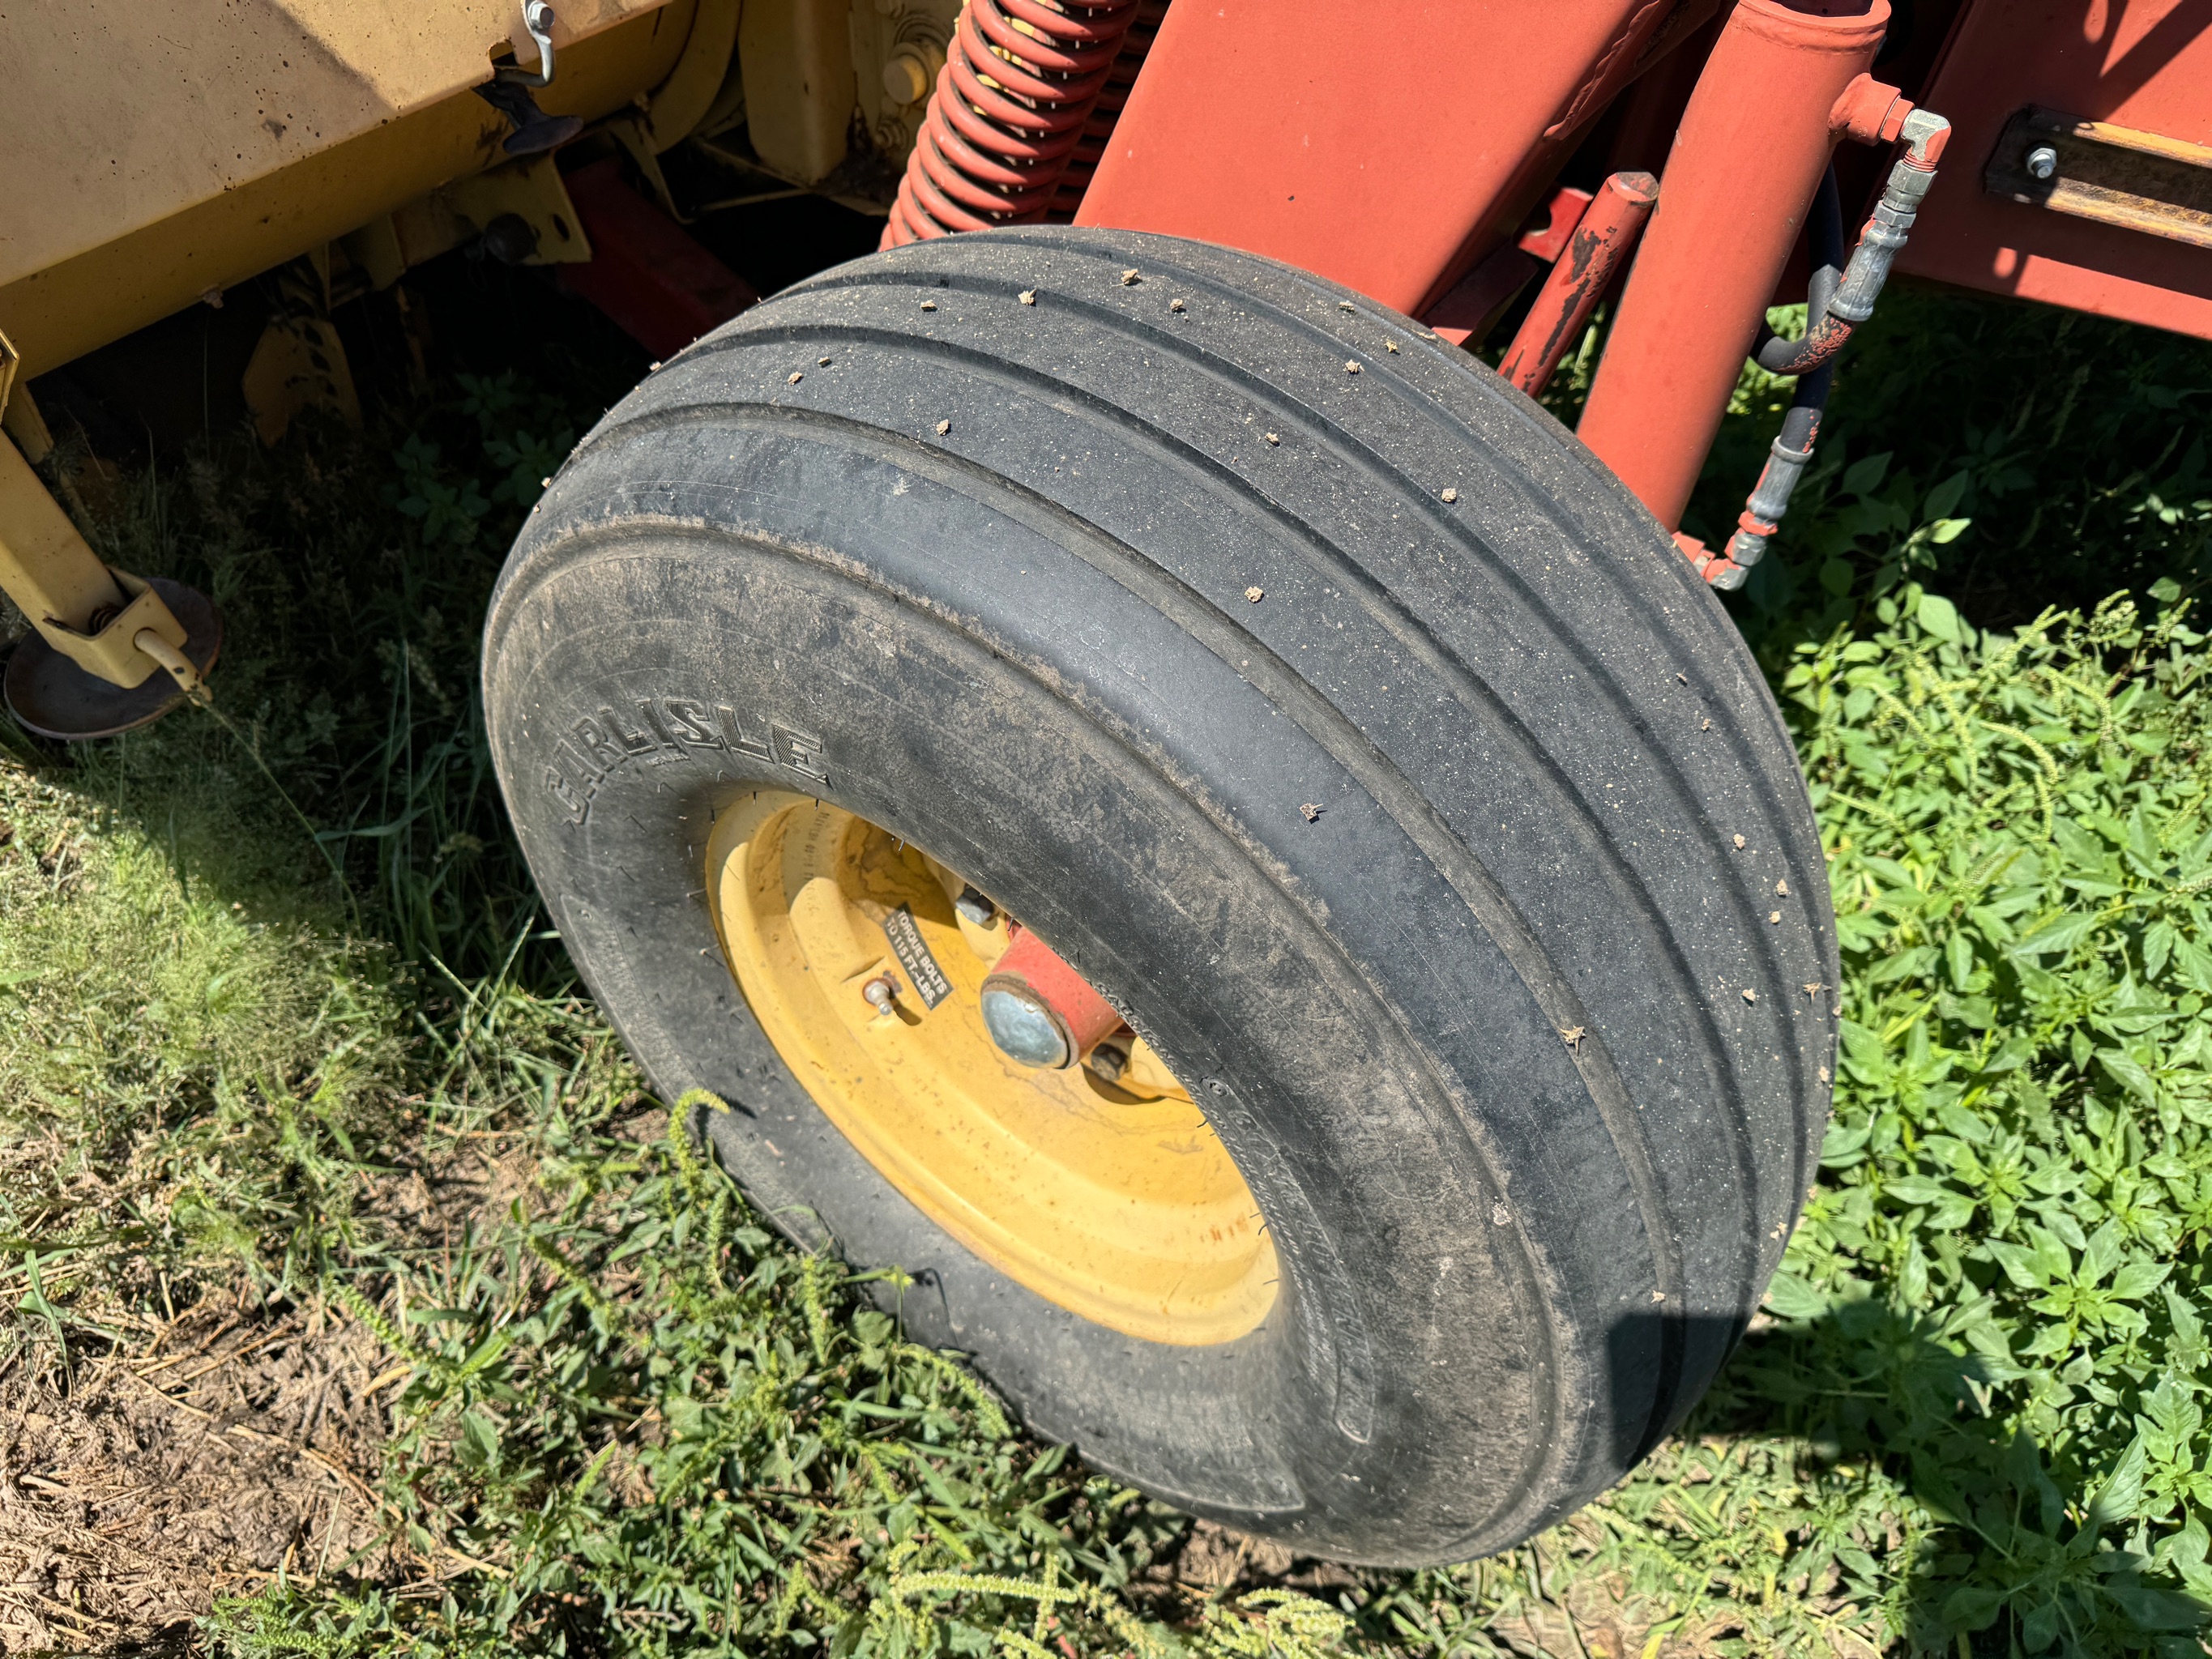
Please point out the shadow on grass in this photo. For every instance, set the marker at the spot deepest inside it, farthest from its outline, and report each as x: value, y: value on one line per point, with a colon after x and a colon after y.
x: 1909, y: 1491
x: 353, y: 569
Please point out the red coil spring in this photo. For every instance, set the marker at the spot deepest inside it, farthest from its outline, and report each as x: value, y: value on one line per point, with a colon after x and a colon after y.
x: 1090, y: 148
x: 1004, y: 124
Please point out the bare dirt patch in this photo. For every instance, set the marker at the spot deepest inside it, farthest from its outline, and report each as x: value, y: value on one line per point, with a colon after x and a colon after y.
x: 211, y: 1449
x: 137, y: 1488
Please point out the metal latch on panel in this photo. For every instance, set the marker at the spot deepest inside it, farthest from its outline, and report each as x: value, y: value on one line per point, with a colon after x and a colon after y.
x: 510, y: 90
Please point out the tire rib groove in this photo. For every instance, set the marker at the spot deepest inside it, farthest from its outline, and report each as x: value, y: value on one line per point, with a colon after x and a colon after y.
x: 1440, y: 1090
x: 1098, y: 475
x: 1326, y: 430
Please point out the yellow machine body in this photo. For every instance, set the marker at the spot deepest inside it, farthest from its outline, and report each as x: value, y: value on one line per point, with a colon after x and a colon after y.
x: 164, y: 155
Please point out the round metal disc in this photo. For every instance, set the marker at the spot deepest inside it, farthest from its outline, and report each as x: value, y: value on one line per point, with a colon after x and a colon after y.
x: 1024, y: 1030
x: 50, y: 695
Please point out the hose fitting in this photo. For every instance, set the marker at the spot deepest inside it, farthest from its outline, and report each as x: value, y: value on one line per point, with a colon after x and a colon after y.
x: 1829, y: 328
x: 1881, y: 242
x: 1770, y: 498
x: 1834, y: 306
x: 1792, y: 451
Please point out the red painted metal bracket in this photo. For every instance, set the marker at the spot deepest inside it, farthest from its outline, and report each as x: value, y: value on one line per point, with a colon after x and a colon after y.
x: 659, y: 285
x: 1475, y: 302
x: 1591, y: 256
x: 2145, y: 66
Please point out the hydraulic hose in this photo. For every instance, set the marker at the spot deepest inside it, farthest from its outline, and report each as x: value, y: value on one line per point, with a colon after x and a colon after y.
x: 1834, y: 306
x: 1828, y: 328
x: 1792, y: 451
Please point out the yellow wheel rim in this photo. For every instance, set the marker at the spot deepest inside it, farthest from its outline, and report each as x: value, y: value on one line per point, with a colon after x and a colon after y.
x: 1119, y: 1204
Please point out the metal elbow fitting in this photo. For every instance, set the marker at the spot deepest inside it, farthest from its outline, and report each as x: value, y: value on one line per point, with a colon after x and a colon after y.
x: 1924, y: 133
x: 1867, y: 273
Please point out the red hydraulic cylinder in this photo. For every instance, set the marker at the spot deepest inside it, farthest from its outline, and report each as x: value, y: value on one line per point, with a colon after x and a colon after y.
x: 1739, y: 179
x: 1579, y: 277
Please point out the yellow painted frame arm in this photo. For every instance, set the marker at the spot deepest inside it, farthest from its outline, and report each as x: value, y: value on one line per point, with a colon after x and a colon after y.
x: 90, y: 614
x: 679, y: 103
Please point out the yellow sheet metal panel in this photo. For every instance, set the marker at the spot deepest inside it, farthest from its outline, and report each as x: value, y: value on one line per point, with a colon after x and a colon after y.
x: 118, y: 114
x: 157, y: 254
x: 680, y: 101
x: 796, y: 57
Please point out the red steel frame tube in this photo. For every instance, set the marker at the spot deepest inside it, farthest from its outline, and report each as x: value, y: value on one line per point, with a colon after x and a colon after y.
x: 1579, y: 276
x: 1740, y: 179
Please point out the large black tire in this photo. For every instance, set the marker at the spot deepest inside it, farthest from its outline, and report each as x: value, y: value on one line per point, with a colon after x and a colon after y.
x: 1095, y: 598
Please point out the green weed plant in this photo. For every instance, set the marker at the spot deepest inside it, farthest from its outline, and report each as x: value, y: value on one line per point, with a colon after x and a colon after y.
x: 2005, y: 1260
x: 2074, y: 445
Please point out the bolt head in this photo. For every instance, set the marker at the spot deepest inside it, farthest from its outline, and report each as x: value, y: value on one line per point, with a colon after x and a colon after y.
x: 510, y: 239
x: 975, y: 906
x: 2042, y: 162
x: 906, y: 78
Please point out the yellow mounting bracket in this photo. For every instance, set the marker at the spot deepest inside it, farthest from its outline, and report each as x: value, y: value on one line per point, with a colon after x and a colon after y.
x: 90, y: 614
x: 103, y: 635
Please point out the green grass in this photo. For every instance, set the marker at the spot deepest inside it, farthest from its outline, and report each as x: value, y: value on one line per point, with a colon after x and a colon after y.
x: 1970, y: 1420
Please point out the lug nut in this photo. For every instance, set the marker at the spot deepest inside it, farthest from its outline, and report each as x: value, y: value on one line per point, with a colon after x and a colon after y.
x: 881, y: 992
x: 2042, y: 162
x: 1108, y: 1061
x: 975, y: 906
